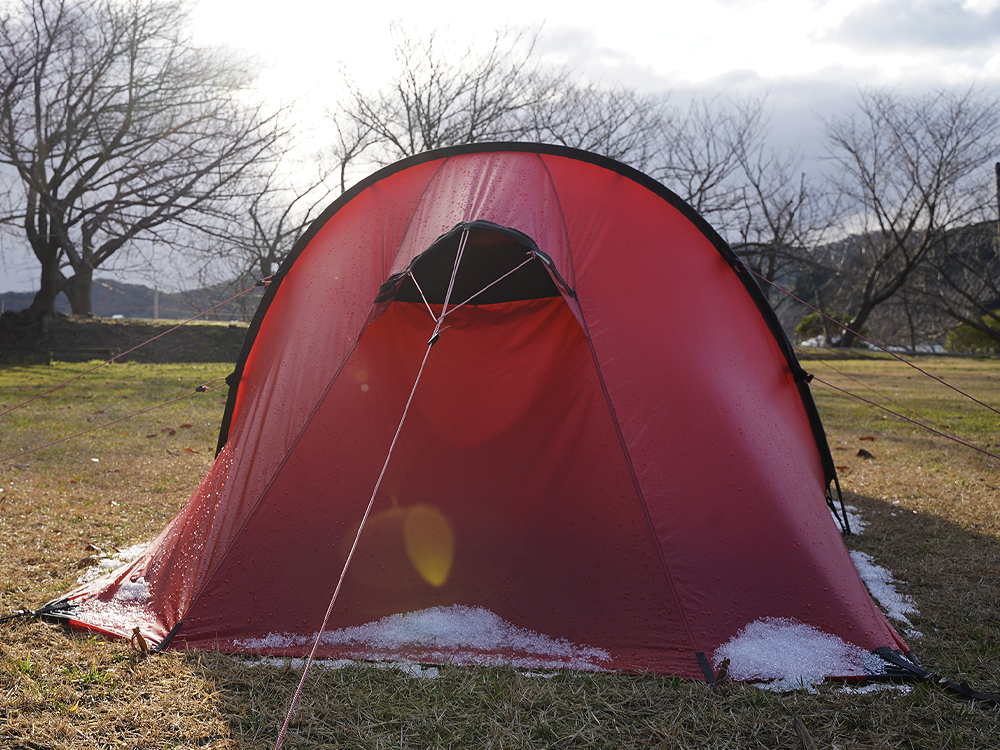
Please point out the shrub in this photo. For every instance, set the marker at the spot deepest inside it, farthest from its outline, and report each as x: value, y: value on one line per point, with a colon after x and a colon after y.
x: 966, y: 339
x: 811, y: 326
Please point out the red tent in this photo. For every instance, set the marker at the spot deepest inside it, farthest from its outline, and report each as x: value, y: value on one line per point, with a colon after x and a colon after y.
x: 610, y: 460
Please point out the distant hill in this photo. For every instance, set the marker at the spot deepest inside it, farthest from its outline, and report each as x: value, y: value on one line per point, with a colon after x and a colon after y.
x: 116, y: 298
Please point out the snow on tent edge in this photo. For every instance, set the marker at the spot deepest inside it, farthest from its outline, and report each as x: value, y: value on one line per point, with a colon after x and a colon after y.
x: 129, y: 602
x: 111, y: 563
x: 881, y: 585
x: 781, y: 653
x: 785, y: 654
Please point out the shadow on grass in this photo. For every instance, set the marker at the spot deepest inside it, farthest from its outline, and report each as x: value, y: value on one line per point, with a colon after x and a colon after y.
x: 71, y: 690
x: 951, y: 572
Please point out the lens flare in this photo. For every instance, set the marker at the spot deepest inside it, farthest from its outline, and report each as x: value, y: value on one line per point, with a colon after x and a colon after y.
x: 430, y: 543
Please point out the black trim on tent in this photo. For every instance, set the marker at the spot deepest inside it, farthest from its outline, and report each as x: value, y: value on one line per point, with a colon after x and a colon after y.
x: 801, y: 377
x: 907, y: 667
x: 56, y: 611
x: 166, y: 639
x: 706, y: 668
x: 742, y: 273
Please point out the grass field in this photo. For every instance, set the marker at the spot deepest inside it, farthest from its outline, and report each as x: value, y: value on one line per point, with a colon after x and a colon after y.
x: 933, y: 514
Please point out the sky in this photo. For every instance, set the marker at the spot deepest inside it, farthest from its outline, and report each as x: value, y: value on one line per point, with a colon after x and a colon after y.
x: 809, y: 57
x: 677, y: 43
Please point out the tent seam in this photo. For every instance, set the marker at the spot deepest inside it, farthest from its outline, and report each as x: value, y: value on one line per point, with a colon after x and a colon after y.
x: 289, y: 261
x: 638, y: 488
x: 614, y: 416
x: 562, y: 222
x: 288, y: 454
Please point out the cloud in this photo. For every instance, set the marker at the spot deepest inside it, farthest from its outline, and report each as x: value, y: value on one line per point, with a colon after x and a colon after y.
x: 920, y: 24
x: 581, y: 50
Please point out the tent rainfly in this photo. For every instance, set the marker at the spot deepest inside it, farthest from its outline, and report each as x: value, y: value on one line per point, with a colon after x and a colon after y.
x: 610, y: 459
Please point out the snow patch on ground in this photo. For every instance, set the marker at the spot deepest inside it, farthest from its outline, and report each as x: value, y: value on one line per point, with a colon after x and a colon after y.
x: 815, y: 341
x: 875, y: 687
x: 786, y: 654
x: 857, y: 524
x: 879, y: 581
x: 882, y: 587
x: 455, y: 634
x: 409, y: 669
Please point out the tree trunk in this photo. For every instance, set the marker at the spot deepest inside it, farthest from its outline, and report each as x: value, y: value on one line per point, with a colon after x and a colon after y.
x: 44, y: 303
x: 847, y: 340
x: 79, y: 290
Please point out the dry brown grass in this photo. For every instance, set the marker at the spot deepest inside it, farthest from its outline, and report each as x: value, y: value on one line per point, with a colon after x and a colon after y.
x: 933, y: 510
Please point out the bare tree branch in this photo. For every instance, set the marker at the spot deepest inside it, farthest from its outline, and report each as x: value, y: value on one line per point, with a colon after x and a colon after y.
x: 116, y: 124
x: 441, y: 97
x: 911, y: 170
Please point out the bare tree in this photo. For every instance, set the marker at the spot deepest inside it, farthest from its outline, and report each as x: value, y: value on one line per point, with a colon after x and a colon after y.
x: 283, y: 198
x: 353, y: 137
x: 614, y: 121
x: 910, y: 169
x: 442, y: 98
x: 280, y: 212
x: 783, y: 219
x: 505, y: 93
x: 961, y: 279
x: 119, y: 129
x: 701, y: 156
